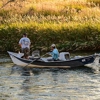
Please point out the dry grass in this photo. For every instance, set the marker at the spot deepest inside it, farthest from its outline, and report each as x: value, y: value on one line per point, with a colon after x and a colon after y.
x: 43, y: 5
x: 68, y: 9
x: 69, y: 23
x: 49, y: 11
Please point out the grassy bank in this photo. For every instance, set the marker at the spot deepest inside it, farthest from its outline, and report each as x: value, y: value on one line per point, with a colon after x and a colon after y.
x: 71, y: 24
x: 70, y: 36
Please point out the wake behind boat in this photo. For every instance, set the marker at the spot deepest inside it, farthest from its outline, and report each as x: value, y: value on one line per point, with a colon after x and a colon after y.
x: 65, y: 61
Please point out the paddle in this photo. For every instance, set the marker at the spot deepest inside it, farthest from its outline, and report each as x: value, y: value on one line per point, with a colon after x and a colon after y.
x: 31, y: 62
x: 35, y: 59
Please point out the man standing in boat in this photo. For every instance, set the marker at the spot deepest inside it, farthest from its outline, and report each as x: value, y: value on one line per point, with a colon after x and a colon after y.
x: 54, y: 53
x: 24, y: 43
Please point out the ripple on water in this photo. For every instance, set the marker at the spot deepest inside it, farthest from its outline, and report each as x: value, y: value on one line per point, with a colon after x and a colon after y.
x: 17, y: 83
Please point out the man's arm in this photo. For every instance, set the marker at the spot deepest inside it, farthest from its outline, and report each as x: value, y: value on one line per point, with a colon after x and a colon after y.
x: 20, y: 43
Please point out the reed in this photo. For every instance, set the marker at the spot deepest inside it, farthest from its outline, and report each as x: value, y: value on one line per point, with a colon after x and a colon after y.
x: 70, y: 36
x: 97, y: 2
x: 71, y: 24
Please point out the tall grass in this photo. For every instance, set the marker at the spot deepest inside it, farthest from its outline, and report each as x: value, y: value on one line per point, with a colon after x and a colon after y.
x: 71, y: 24
x: 70, y: 36
x: 49, y: 10
x: 97, y: 2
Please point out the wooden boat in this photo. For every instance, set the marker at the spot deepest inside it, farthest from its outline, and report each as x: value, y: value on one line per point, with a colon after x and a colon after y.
x: 65, y: 61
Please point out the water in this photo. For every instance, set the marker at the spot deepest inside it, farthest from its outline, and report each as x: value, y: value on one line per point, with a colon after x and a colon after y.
x: 17, y: 83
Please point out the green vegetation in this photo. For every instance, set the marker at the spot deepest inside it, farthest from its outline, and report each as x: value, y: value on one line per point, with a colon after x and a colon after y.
x: 71, y: 24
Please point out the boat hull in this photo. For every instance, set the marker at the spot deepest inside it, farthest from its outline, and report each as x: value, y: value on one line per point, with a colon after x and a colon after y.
x: 59, y: 64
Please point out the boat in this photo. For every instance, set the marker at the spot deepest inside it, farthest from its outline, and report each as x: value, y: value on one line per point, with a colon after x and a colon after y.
x: 65, y: 60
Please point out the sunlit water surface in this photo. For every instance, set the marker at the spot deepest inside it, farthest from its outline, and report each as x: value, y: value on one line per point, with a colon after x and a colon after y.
x: 17, y: 83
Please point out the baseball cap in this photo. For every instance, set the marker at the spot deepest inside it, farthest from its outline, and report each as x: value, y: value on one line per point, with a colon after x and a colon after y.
x: 53, y: 45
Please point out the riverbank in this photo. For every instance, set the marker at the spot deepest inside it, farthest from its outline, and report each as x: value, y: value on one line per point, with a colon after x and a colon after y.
x: 72, y: 25
x: 67, y: 36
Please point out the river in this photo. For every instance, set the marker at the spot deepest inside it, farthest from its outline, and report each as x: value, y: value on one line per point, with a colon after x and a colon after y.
x: 17, y: 83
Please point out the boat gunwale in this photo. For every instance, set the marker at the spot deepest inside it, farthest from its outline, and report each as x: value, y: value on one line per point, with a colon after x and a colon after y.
x: 29, y: 60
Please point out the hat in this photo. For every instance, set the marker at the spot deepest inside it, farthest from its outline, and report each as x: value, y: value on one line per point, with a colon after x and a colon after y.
x: 53, y: 45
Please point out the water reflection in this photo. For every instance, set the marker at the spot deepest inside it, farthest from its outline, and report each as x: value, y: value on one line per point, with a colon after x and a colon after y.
x: 25, y: 85
x: 18, y: 83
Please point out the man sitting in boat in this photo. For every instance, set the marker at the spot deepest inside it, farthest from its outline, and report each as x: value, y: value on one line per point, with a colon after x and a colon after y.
x: 25, y: 45
x: 54, y: 52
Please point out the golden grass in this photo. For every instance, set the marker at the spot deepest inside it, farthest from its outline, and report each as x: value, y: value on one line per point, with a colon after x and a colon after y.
x: 73, y: 22
x: 58, y: 11
x: 40, y: 5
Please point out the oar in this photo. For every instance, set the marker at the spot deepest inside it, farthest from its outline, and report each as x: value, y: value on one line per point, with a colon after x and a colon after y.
x: 35, y: 59
x: 31, y: 62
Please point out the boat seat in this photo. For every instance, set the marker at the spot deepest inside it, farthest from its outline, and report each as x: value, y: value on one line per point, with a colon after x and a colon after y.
x: 35, y: 54
x: 64, y: 56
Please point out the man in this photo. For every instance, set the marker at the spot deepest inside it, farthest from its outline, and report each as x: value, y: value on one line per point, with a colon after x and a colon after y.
x: 54, y: 53
x: 25, y: 45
